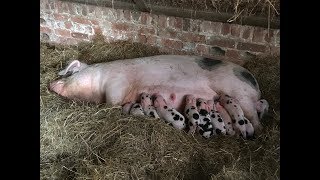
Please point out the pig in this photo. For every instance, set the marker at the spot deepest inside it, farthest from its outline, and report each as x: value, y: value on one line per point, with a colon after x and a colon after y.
x: 148, y: 108
x: 216, y: 119
x: 121, y: 81
x: 126, y: 108
x: 191, y: 113
x: 205, y: 127
x: 136, y: 110
x: 168, y: 113
x: 226, y: 119
x: 237, y: 116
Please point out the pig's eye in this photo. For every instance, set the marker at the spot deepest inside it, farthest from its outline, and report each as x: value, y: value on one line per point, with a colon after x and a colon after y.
x: 69, y: 73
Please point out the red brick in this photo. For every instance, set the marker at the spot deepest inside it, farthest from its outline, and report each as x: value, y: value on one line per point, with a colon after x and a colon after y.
x: 144, y: 18
x: 62, y: 32
x: 233, y: 53
x: 61, y: 7
x: 167, y: 33
x: 175, y: 22
x: 186, y: 24
x: 97, y: 30
x: 221, y: 42
x: 190, y: 37
x: 151, y: 40
x: 246, y: 32
x: 68, y: 24
x: 72, y: 9
x: 251, y: 47
x: 127, y: 15
x: 202, y: 49
x: 162, y: 23
x: 80, y: 20
x: 225, y: 29
x: 258, y: 34
x: 45, y: 29
x: 60, y: 17
x: 235, y: 30
x: 269, y: 37
x: 171, y: 44
x: 120, y: 26
x: 79, y: 35
x: 210, y: 27
x: 146, y: 30
x: 94, y: 22
x: 142, y: 38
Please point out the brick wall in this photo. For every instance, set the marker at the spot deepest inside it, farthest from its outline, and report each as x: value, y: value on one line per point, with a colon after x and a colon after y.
x: 70, y: 23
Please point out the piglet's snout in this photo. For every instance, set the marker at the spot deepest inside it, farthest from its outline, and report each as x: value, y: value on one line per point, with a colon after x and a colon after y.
x: 56, y: 86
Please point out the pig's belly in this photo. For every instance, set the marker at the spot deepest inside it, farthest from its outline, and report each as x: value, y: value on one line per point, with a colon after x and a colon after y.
x: 166, y: 91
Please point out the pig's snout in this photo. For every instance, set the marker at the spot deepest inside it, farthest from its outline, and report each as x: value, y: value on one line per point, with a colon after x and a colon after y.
x: 56, y: 86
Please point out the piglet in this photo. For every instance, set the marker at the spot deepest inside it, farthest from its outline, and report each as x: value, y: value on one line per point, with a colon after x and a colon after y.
x: 168, y: 113
x: 205, y: 127
x: 126, y: 108
x: 237, y: 116
x: 226, y: 118
x: 191, y: 113
x: 147, y: 106
x: 216, y: 119
x: 136, y: 110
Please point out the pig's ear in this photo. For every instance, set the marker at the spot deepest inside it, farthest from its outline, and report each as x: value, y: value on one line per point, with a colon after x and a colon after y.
x: 73, y: 67
x: 156, y: 103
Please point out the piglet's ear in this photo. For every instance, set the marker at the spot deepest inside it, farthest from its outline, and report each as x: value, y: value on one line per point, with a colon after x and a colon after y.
x: 73, y: 67
x: 156, y: 103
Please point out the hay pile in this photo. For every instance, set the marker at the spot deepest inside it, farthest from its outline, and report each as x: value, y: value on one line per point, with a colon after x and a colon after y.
x: 87, y: 141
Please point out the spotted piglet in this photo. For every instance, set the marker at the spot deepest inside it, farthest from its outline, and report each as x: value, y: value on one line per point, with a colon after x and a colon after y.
x: 205, y: 127
x: 136, y: 110
x: 237, y: 115
x: 226, y: 119
x: 147, y: 106
x: 216, y: 119
x: 191, y: 113
x: 168, y: 113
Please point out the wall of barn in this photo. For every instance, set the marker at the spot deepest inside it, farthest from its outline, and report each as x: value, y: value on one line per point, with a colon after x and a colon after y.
x: 70, y: 23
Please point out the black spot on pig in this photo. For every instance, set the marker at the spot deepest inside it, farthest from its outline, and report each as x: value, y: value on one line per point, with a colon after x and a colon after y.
x: 209, y: 64
x: 233, y: 121
x: 198, y: 103
x: 192, y: 107
x: 218, y: 131
x: 224, y: 127
x: 181, y: 119
x: 201, y: 131
x: 187, y: 112
x: 206, y: 119
x: 228, y: 101
x: 170, y: 109
x: 136, y: 106
x: 195, y: 116
x: 213, y: 115
x: 172, y: 114
x: 219, y: 119
x: 245, y: 121
x: 203, y: 112
x: 241, y: 122
x: 190, y: 124
x: 229, y: 122
x: 152, y: 114
x: 235, y: 105
x: 176, y: 117
x: 142, y: 97
x: 244, y: 75
x: 165, y: 107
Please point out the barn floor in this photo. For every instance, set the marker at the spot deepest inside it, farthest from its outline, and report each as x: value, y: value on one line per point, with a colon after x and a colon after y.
x: 87, y: 141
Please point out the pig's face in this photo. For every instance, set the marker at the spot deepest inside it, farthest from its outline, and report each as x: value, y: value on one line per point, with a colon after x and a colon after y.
x: 191, y: 100
x: 69, y: 85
